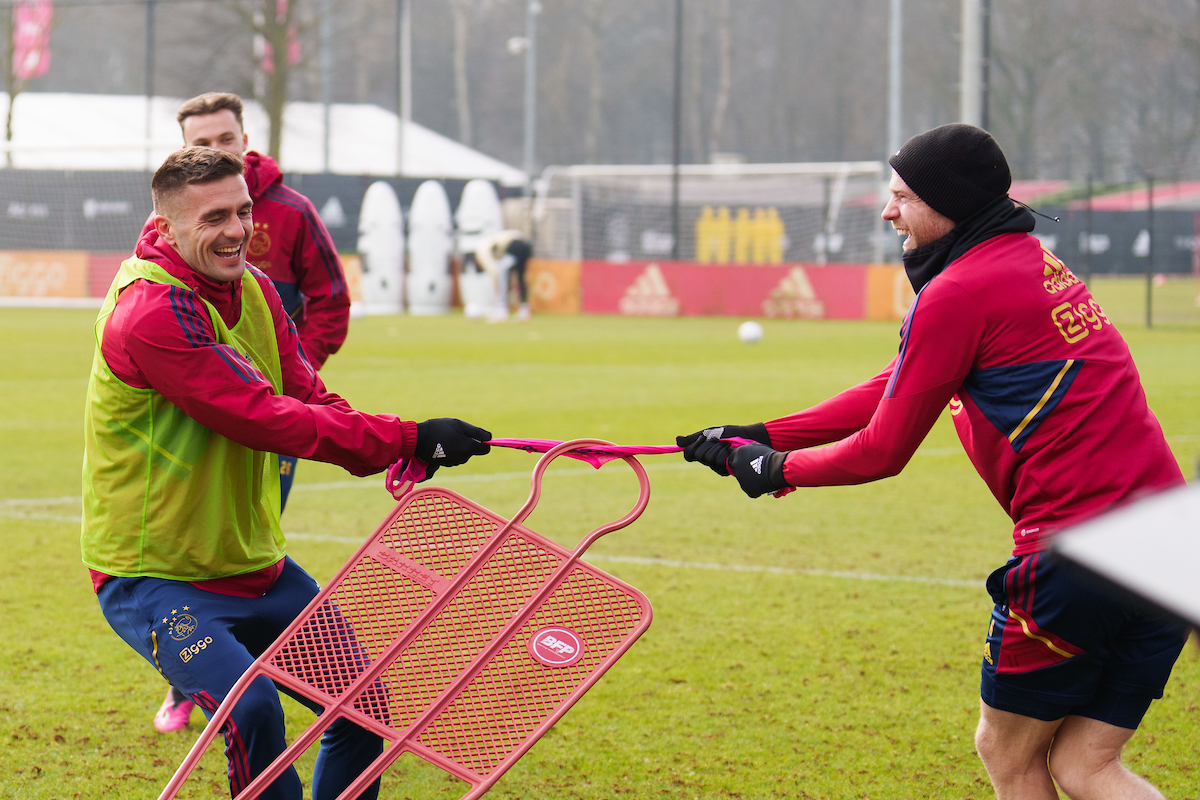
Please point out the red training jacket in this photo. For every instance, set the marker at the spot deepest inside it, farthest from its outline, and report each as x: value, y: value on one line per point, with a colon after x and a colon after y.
x: 160, y: 337
x: 1042, y: 389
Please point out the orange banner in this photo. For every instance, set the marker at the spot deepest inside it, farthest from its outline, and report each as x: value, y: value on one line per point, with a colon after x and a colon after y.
x: 889, y: 294
x: 352, y: 267
x: 43, y: 273
x: 553, y: 286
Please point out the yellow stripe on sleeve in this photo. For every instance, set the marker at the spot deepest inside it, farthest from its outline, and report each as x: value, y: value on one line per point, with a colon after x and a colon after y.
x: 1012, y: 437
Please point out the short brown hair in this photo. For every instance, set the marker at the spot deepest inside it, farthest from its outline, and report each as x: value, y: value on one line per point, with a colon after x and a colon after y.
x: 192, y: 165
x: 210, y: 103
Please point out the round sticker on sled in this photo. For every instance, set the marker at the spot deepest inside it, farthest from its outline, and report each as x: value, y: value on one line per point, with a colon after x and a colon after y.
x: 556, y: 647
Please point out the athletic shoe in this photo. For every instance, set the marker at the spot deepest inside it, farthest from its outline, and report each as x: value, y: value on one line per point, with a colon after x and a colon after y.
x: 523, y: 313
x: 173, y: 717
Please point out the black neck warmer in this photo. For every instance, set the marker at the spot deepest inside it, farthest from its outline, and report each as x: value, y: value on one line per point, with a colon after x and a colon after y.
x: 998, y: 217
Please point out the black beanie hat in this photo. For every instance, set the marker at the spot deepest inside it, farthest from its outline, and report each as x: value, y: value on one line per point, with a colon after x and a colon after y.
x: 956, y: 169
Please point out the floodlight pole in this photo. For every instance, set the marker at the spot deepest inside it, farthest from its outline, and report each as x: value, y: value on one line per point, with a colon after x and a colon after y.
x: 532, y: 9
x: 895, y: 76
x: 404, y: 102
x: 676, y: 132
x: 985, y: 66
x: 149, y: 78
x: 1087, y: 253
x: 1150, y: 250
x: 969, y: 66
x: 895, y: 88
x: 326, y: 63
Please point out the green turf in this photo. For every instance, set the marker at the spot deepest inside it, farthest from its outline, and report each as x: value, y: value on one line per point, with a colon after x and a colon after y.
x: 788, y: 681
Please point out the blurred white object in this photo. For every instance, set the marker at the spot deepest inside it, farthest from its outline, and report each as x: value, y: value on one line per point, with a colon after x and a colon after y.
x: 430, y: 245
x: 750, y: 331
x: 477, y: 218
x: 381, y: 245
x: 1149, y: 548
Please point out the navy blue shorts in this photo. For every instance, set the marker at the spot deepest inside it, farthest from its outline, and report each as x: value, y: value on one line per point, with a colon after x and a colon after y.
x: 1060, y: 643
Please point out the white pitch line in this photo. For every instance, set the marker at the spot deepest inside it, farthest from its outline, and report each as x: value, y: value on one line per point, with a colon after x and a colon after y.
x: 666, y: 562
x: 35, y: 515
x: 815, y: 573
x: 373, y: 483
x: 442, y: 478
x: 40, y: 501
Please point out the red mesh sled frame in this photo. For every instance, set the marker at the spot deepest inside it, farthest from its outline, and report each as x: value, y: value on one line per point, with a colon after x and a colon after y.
x: 449, y: 634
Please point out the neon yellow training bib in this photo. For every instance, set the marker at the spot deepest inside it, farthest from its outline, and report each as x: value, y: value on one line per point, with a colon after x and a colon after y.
x: 163, y: 495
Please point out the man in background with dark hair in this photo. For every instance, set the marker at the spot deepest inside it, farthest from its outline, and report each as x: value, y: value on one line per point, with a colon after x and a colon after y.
x: 292, y: 246
x: 1049, y: 407
x: 199, y: 380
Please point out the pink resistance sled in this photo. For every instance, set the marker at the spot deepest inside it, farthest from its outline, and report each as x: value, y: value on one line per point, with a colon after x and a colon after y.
x: 453, y: 633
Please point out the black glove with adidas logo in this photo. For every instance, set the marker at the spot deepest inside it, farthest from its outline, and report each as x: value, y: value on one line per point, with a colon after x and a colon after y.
x: 707, y: 448
x: 449, y: 442
x: 758, y: 469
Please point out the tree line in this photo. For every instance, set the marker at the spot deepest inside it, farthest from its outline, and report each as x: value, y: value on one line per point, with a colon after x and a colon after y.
x: 1104, y: 88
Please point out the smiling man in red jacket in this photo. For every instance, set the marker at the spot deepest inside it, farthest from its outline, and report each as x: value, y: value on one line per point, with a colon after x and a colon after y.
x: 1050, y: 409
x: 199, y: 380
x: 291, y: 245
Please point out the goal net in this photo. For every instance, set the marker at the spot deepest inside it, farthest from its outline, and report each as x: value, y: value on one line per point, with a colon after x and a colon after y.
x: 728, y: 213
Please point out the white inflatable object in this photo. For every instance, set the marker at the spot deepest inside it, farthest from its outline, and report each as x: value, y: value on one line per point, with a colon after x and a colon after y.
x: 381, y: 245
x: 478, y: 216
x: 430, y: 245
x: 750, y: 332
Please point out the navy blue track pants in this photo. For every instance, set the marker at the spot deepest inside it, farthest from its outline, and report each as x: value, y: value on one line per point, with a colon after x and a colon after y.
x: 202, y: 643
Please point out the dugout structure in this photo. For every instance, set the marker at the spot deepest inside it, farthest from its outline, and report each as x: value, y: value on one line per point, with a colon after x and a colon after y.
x: 729, y: 213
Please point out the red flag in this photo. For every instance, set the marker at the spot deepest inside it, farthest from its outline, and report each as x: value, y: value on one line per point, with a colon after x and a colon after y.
x: 268, y: 52
x: 31, y: 37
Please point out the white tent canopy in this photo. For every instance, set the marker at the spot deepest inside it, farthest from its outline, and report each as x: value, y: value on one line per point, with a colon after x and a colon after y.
x: 109, y: 132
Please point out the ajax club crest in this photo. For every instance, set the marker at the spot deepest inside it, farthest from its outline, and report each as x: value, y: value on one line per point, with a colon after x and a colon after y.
x: 181, y: 625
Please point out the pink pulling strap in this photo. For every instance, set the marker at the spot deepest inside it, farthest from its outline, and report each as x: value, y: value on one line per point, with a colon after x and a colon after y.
x: 407, y: 472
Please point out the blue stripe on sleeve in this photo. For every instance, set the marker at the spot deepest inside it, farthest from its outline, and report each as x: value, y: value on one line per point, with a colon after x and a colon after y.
x: 905, y: 330
x: 183, y: 303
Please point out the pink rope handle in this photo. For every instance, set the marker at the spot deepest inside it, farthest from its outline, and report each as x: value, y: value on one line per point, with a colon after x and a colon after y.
x: 406, y: 473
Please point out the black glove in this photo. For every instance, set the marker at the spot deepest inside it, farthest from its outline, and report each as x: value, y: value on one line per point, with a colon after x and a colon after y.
x: 705, y: 446
x: 758, y: 469
x: 448, y: 442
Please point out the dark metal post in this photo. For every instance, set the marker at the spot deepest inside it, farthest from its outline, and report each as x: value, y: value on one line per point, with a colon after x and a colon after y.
x: 676, y: 132
x: 1150, y: 252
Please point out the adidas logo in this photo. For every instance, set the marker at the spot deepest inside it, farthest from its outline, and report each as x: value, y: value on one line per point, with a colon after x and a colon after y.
x: 756, y: 464
x: 794, y: 297
x: 438, y: 452
x: 713, y: 433
x: 649, y: 296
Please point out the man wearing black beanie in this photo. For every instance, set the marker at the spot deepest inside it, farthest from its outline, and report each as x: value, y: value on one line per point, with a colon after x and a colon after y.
x: 1049, y: 407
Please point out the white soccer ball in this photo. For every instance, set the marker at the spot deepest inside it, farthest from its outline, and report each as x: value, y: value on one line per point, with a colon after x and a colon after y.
x: 750, y: 331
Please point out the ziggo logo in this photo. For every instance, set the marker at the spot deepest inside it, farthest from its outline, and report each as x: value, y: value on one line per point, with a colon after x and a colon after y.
x: 185, y: 655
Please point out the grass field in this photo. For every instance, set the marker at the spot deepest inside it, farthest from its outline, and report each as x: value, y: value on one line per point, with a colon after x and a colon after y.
x: 825, y: 645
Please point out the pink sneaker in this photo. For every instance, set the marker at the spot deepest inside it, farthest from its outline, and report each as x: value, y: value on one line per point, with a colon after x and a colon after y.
x: 173, y: 716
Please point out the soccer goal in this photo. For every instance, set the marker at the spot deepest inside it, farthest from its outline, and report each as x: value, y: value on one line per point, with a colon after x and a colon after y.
x: 729, y: 213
